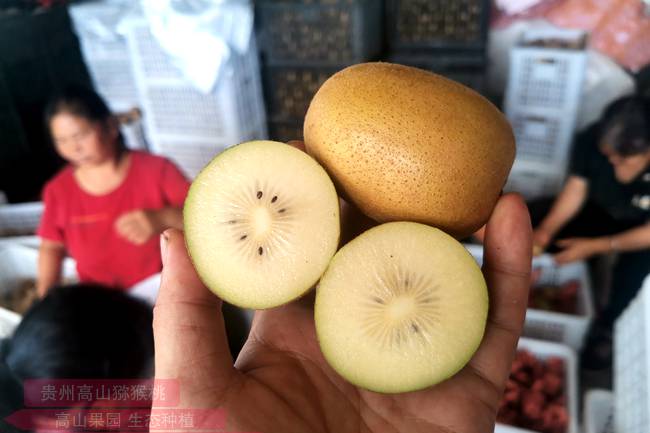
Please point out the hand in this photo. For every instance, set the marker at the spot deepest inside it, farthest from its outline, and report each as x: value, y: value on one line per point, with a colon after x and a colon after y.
x: 574, y: 249
x: 281, y: 382
x: 541, y: 239
x: 137, y: 226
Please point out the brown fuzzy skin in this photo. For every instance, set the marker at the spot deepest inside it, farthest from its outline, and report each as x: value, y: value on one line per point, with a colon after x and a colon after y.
x: 405, y: 144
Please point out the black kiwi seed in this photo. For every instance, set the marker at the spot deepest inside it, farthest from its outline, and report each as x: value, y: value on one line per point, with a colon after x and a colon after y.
x: 259, y: 194
x: 378, y: 300
x: 232, y: 221
x: 260, y: 251
x: 274, y: 199
x: 415, y: 328
x: 243, y: 237
x: 282, y: 210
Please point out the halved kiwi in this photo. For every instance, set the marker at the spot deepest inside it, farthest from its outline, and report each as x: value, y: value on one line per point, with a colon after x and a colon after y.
x: 261, y: 223
x: 400, y: 308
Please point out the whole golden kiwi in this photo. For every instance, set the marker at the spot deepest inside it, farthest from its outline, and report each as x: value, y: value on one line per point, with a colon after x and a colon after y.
x: 404, y: 144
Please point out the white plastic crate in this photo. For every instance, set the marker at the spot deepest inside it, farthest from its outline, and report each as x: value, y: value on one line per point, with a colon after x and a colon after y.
x: 632, y: 365
x: 543, y: 95
x: 542, y: 138
x: 544, y: 77
x: 19, y: 263
x: 533, y: 181
x: 8, y: 322
x: 598, y: 413
x: 544, y: 350
x: 563, y: 328
x: 20, y: 219
x: 181, y: 122
x: 105, y: 50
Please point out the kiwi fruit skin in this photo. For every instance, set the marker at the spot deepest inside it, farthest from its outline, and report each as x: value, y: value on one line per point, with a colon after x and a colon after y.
x: 404, y: 144
x: 193, y: 245
x: 399, y: 381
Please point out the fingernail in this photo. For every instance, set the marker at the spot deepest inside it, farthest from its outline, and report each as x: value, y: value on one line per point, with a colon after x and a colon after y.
x: 163, y: 247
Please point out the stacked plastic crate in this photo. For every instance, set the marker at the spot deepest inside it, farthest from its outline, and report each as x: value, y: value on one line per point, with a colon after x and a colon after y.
x: 542, y: 100
x: 448, y: 37
x: 107, y: 58
x: 302, y: 43
x: 185, y: 124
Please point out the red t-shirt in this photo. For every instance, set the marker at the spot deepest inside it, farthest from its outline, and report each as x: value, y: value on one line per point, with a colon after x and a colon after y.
x: 85, y: 223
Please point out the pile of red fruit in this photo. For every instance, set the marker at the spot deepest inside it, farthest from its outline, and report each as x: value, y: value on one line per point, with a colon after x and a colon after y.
x: 562, y: 299
x: 535, y: 397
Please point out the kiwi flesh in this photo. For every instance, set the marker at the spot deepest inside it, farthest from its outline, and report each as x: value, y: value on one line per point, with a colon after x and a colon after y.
x: 400, y: 308
x: 261, y: 224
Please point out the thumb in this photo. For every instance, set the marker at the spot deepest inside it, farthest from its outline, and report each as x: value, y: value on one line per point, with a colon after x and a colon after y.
x: 189, y: 333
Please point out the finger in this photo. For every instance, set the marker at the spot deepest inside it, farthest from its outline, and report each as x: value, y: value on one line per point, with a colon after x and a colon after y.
x: 564, y: 257
x: 507, y: 270
x: 189, y: 333
x: 563, y: 243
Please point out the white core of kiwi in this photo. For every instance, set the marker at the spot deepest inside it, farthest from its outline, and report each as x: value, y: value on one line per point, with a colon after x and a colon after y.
x: 400, y: 308
x: 261, y: 223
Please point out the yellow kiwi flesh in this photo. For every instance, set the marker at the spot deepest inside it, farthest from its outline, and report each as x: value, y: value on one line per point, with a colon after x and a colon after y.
x: 405, y: 144
x: 400, y: 308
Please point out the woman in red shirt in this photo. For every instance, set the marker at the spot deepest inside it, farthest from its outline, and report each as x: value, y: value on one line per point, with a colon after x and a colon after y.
x: 107, y: 206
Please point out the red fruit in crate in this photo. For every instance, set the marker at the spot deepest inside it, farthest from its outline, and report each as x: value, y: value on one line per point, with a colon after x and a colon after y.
x: 507, y: 416
x: 538, y: 385
x: 556, y: 418
x: 527, y: 358
x: 512, y: 396
x: 532, y: 405
x: 555, y: 365
x: 539, y: 370
x: 553, y: 384
x: 511, y: 384
x: 523, y: 377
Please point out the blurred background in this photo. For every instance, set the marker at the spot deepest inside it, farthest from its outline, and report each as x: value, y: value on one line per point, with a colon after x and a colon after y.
x: 188, y: 78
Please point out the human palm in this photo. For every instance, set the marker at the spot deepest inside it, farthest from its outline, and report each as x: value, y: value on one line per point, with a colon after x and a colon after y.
x: 281, y: 383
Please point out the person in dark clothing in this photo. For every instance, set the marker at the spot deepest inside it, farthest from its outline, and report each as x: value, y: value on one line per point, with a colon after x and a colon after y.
x: 604, y: 207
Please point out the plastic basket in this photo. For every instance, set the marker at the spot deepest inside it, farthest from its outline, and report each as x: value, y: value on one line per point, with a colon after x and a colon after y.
x: 543, y: 350
x: 467, y: 70
x: 8, y: 322
x: 449, y: 25
x: 632, y: 365
x: 542, y: 138
x: 326, y: 31
x: 288, y: 90
x: 285, y: 131
x: 19, y: 264
x: 547, y: 78
x: 534, y: 182
x: 553, y: 326
x: 105, y: 52
x: 598, y: 413
x: 181, y: 122
x: 20, y: 219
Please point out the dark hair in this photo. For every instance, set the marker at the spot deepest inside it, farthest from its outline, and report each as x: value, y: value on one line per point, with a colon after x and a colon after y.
x: 627, y: 120
x: 85, y: 103
x: 76, y: 332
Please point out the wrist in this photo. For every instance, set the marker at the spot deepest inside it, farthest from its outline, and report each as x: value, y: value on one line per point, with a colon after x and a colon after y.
x: 155, y: 219
x: 605, y: 244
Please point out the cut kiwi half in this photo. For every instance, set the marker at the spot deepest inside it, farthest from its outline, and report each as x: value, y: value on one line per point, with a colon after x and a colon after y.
x: 261, y: 224
x: 401, y: 307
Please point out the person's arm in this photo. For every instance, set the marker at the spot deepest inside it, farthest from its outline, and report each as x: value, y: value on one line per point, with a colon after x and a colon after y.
x: 637, y: 238
x: 50, y: 258
x: 566, y: 206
